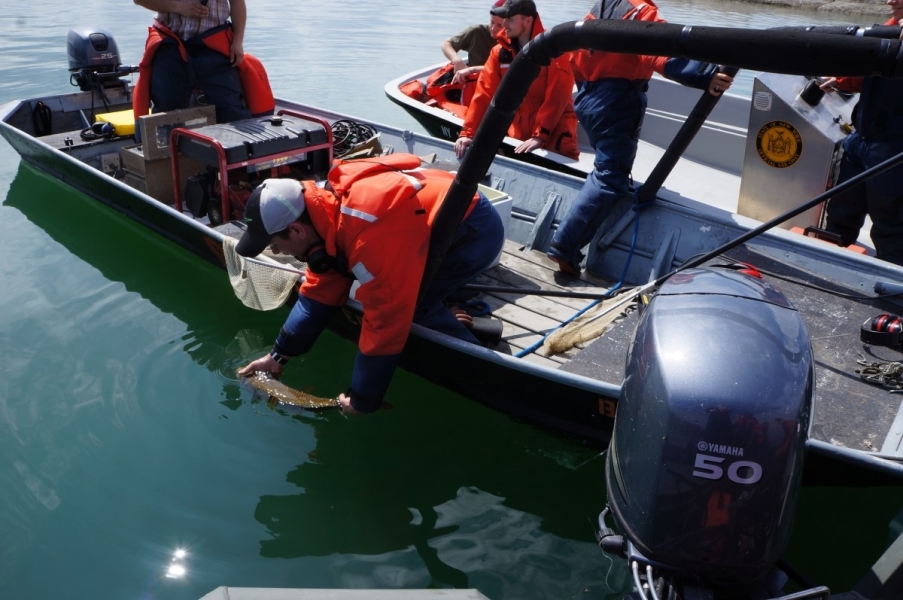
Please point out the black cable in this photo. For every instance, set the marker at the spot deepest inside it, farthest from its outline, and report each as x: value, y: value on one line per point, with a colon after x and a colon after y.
x: 818, y: 288
x: 347, y: 134
x: 100, y: 130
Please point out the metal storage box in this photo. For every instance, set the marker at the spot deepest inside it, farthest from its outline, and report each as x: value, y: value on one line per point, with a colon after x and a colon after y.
x: 792, y: 149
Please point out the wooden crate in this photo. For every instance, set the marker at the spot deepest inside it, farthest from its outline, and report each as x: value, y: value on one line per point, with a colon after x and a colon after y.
x: 154, y: 177
x: 155, y: 128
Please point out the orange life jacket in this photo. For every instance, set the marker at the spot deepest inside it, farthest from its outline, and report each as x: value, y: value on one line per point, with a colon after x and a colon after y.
x: 377, y: 214
x: 253, y: 76
x: 439, y: 91
x: 547, y: 111
x: 592, y: 65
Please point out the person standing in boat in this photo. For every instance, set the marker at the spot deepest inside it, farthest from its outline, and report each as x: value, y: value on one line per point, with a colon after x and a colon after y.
x: 546, y: 117
x: 610, y: 105
x: 878, y: 136
x: 194, y: 45
x: 477, y: 41
x: 370, y: 222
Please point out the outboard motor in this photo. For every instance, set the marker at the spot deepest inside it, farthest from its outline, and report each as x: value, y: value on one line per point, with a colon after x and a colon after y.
x: 706, y: 458
x: 94, y: 59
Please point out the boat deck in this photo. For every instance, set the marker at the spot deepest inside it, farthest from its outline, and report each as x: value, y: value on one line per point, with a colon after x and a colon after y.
x: 528, y: 318
x: 849, y: 412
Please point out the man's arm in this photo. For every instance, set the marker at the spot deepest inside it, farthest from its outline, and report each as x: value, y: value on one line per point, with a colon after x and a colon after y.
x: 559, y: 85
x: 239, y: 17
x: 487, y: 83
x: 188, y: 9
x: 452, y: 55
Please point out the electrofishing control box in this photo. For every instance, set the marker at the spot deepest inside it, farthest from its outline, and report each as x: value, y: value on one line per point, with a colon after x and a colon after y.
x: 259, y: 144
x: 793, y: 147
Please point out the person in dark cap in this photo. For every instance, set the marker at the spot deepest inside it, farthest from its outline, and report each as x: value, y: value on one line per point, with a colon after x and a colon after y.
x: 370, y: 222
x: 546, y: 117
x: 512, y: 8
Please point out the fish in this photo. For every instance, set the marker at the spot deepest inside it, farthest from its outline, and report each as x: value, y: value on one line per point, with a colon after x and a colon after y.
x: 279, y: 393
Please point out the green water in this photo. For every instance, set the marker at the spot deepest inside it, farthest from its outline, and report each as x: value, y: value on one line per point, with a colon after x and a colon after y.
x: 125, y: 437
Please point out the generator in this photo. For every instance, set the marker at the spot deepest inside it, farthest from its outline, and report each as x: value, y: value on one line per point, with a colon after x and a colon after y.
x: 793, y: 147
x: 240, y: 154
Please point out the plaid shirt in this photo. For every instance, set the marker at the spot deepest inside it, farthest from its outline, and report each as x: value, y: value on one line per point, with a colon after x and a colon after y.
x: 186, y: 28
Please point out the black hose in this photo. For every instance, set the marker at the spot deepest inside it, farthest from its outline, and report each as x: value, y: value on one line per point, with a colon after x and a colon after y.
x: 887, y: 32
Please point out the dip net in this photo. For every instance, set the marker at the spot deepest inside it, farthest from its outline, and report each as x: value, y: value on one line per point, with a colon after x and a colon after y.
x: 587, y: 327
x: 261, y: 286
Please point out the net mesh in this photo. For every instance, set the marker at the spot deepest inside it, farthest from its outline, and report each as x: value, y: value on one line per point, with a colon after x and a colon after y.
x: 258, y: 286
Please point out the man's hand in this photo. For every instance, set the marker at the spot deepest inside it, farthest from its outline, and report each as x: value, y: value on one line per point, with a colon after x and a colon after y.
x: 345, y: 405
x: 461, y: 146
x: 529, y: 146
x: 238, y: 52
x: 466, y: 74
x: 829, y: 84
x: 264, y: 363
x: 719, y: 83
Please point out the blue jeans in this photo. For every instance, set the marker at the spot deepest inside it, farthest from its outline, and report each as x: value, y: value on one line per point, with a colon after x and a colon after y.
x: 173, y: 80
x: 880, y: 197
x: 477, y: 241
x: 611, y: 111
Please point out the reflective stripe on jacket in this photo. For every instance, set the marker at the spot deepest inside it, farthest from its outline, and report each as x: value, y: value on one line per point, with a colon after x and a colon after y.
x: 377, y: 218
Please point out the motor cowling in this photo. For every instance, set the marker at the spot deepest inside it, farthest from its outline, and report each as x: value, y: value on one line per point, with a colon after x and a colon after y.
x: 91, y: 52
x: 706, y: 457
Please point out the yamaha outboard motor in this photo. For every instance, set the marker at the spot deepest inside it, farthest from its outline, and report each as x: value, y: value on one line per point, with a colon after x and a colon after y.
x: 706, y: 458
x: 94, y: 59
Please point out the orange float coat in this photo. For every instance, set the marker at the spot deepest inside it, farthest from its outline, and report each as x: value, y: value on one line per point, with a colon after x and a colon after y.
x: 378, y: 219
x: 547, y: 112
x: 254, y: 80
x: 592, y: 65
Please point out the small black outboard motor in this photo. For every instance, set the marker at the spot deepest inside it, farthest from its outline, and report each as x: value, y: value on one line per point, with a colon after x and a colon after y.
x: 706, y: 459
x: 94, y: 59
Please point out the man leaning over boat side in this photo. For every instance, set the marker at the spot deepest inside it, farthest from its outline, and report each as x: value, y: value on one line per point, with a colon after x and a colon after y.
x: 477, y: 41
x: 370, y: 222
x: 610, y: 105
x: 193, y: 44
x: 878, y: 136
x: 546, y: 117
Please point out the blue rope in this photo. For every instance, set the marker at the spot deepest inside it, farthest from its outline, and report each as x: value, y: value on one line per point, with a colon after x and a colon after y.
x: 636, y: 229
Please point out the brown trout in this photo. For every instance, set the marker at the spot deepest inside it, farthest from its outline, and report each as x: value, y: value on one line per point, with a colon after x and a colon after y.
x: 279, y: 393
